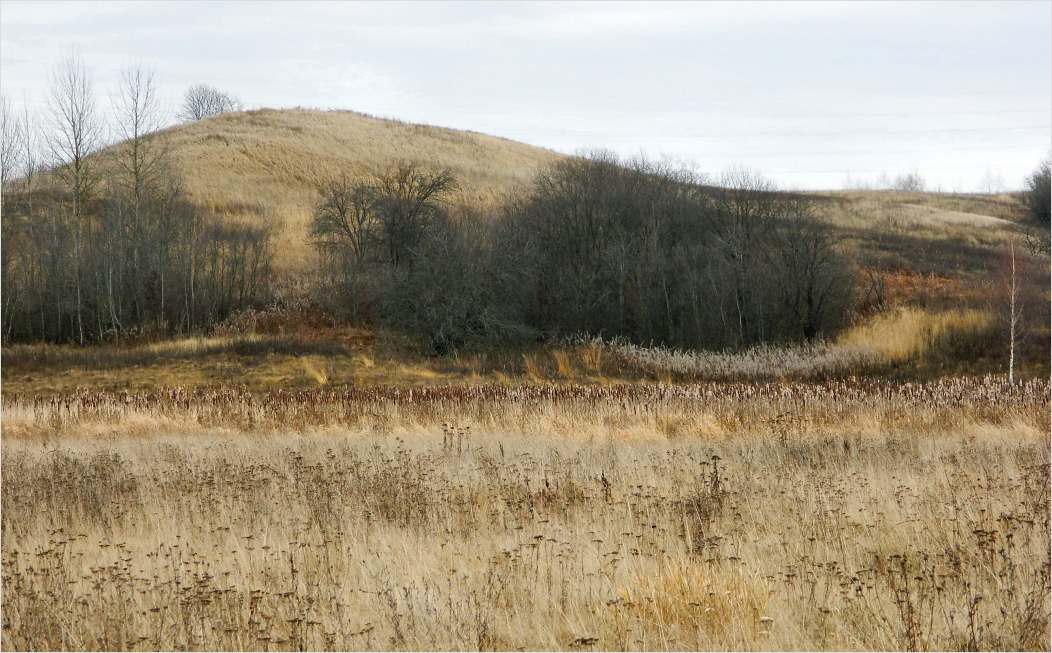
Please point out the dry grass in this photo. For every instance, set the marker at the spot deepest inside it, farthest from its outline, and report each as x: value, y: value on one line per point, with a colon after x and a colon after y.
x: 905, y: 338
x: 910, y: 333
x: 945, y: 234
x: 290, y: 355
x: 928, y: 209
x: 265, y: 356
x: 815, y: 361
x: 268, y: 161
x: 738, y: 516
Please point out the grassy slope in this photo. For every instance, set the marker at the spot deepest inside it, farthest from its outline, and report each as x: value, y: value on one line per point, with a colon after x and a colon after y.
x: 940, y: 233
x: 270, y: 160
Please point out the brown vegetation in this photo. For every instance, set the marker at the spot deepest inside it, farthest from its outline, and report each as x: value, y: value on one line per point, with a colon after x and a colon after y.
x: 738, y: 516
x: 270, y: 162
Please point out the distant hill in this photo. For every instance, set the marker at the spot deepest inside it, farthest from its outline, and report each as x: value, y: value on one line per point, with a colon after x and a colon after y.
x: 268, y: 160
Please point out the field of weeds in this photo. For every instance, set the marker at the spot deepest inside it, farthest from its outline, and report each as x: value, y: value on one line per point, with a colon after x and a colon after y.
x: 764, y: 516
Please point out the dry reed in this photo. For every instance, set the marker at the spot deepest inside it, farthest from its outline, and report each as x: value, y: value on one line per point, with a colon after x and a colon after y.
x: 847, y: 515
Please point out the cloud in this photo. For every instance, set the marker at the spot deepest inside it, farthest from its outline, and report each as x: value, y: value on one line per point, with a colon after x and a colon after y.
x: 791, y: 78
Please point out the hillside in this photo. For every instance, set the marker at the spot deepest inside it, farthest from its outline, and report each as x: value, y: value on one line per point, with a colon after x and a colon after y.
x: 930, y: 271
x: 268, y: 160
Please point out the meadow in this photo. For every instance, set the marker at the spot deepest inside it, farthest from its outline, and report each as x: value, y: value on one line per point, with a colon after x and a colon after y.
x: 777, y: 515
x: 287, y: 480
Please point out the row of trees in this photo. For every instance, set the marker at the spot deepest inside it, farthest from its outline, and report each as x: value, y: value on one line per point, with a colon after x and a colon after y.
x: 636, y: 249
x: 103, y: 243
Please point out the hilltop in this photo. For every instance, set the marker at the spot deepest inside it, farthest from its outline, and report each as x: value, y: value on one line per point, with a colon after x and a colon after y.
x: 269, y: 161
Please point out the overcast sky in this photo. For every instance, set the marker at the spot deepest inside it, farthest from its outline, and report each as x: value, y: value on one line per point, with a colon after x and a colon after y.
x: 810, y: 94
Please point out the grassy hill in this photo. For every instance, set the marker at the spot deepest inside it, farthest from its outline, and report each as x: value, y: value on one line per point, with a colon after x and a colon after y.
x: 269, y: 160
x: 937, y: 259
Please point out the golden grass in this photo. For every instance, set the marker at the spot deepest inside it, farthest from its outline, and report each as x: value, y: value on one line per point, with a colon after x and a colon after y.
x: 259, y: 361
x: 269, y: 160
x: 910, y: 333
x: 774, y: 517
x: 882, y: 226
x: 914, y: 341
x: 978, y: 209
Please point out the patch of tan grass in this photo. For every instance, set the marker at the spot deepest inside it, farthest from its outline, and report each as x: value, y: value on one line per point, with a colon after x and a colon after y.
x: 819, y: 360
x: 537, y: 528
x: 978, y: 209
x: 909, y: 333
x: 250, y: 164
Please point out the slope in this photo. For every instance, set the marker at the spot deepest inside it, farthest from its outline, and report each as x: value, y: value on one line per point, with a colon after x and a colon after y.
x: 267, y: 162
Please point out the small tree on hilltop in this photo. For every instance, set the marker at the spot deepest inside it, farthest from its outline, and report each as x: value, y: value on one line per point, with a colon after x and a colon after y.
x: 911, y: 182
x: 202, y: 101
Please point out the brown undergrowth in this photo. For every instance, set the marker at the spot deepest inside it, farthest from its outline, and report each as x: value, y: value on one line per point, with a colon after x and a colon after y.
x: 839, y: 516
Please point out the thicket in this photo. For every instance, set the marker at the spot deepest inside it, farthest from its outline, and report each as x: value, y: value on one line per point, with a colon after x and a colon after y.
x: 103, y: 243
x: 639, y: 250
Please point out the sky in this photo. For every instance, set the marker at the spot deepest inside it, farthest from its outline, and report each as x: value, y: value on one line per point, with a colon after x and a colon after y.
x: 813, y: 95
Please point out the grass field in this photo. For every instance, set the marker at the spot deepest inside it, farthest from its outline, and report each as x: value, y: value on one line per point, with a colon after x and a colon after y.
x: 835, y: 516
x: 289, y: 482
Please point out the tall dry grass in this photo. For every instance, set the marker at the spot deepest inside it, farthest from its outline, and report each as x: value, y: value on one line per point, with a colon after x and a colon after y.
x: 248, y: 164
x: 902, y: 335
x: 740, y: 516
x: 811, y: 361
x: 910, y: 333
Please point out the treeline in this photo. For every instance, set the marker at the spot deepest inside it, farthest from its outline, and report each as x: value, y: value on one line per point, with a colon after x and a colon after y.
x: 633, y: 249
x: 103, y: 244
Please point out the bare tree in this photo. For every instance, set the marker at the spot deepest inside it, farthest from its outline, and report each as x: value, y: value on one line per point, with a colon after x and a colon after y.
x: 814, y: 280
x: 367, y: 232
x: 76, y: 133
x: 139, y: 115
x: 11, y: 135
x: 12, y: 132
x: 408, y: 201
x: 29, y: 159
x: 745, y: 208
x: 344, y: 219
x: 202, y: 101
x: 1015, y: 312
x: 992, y: 183
x: 137, y: 235
x: 911, y: 181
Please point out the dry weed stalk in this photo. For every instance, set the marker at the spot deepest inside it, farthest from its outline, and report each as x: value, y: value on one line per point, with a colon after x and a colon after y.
x: 849, y: 515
